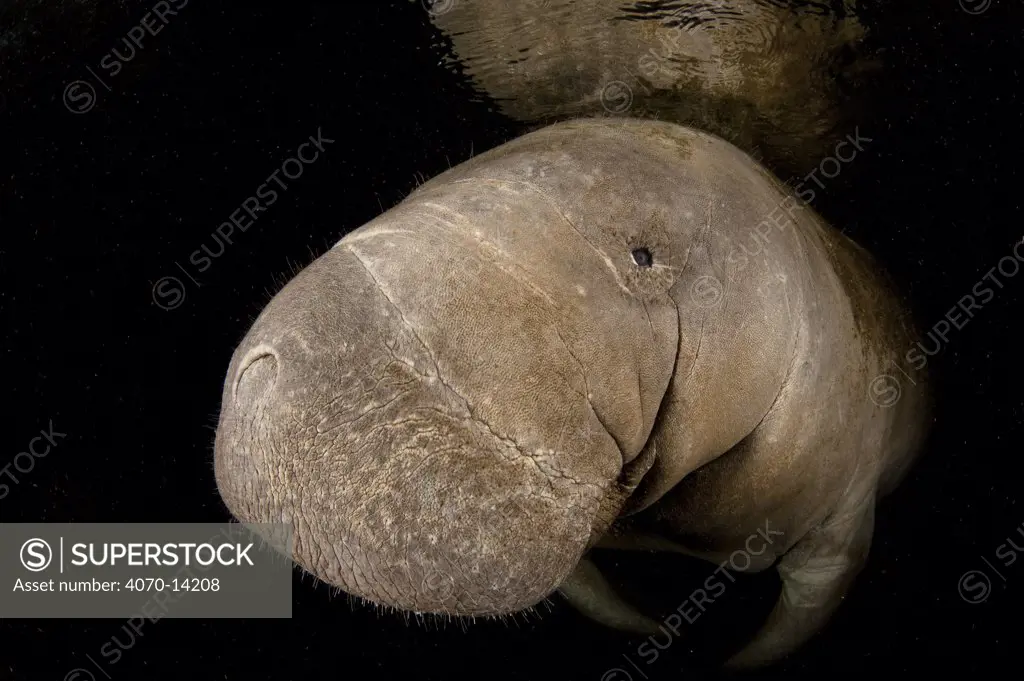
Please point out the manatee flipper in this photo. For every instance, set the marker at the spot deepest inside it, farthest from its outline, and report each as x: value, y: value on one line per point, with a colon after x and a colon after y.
x: 588, y: 591
x: 816, y: 574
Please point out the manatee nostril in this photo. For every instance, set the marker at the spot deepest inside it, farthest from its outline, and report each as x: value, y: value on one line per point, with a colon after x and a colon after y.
x: 642, y: 257
x: 256, y: 377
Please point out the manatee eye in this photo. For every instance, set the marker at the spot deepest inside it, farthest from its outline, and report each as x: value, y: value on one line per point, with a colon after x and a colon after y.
x: 642, y: 257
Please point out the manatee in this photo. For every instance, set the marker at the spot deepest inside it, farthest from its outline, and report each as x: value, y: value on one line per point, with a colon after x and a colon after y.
x: 604, y: 334
x: 779, y: 78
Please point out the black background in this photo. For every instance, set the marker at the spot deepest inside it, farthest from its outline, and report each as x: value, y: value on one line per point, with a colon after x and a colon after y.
x: 96, y: 208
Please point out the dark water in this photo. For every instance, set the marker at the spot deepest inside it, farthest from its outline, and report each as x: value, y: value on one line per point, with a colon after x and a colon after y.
x: 99, y: 206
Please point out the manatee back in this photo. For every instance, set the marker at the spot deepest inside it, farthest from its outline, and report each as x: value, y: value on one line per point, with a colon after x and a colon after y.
x: 764, y: 74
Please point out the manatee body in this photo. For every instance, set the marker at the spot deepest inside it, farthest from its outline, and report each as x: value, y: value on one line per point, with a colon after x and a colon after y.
x: 606, y: 333
x: 778, y: 79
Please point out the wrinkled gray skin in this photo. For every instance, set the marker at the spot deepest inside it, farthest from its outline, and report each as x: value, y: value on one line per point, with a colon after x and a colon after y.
x: 465, y: 396
x: 458, y: 401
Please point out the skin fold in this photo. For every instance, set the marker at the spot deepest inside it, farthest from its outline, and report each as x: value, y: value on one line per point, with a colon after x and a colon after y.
x: 613, y: 333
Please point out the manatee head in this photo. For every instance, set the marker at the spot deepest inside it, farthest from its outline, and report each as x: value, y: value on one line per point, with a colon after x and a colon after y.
x: 453, y: 403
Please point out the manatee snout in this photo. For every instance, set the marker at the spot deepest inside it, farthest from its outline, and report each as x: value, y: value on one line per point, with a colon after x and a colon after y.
x: 382, y: 419
x: 256, y: 377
